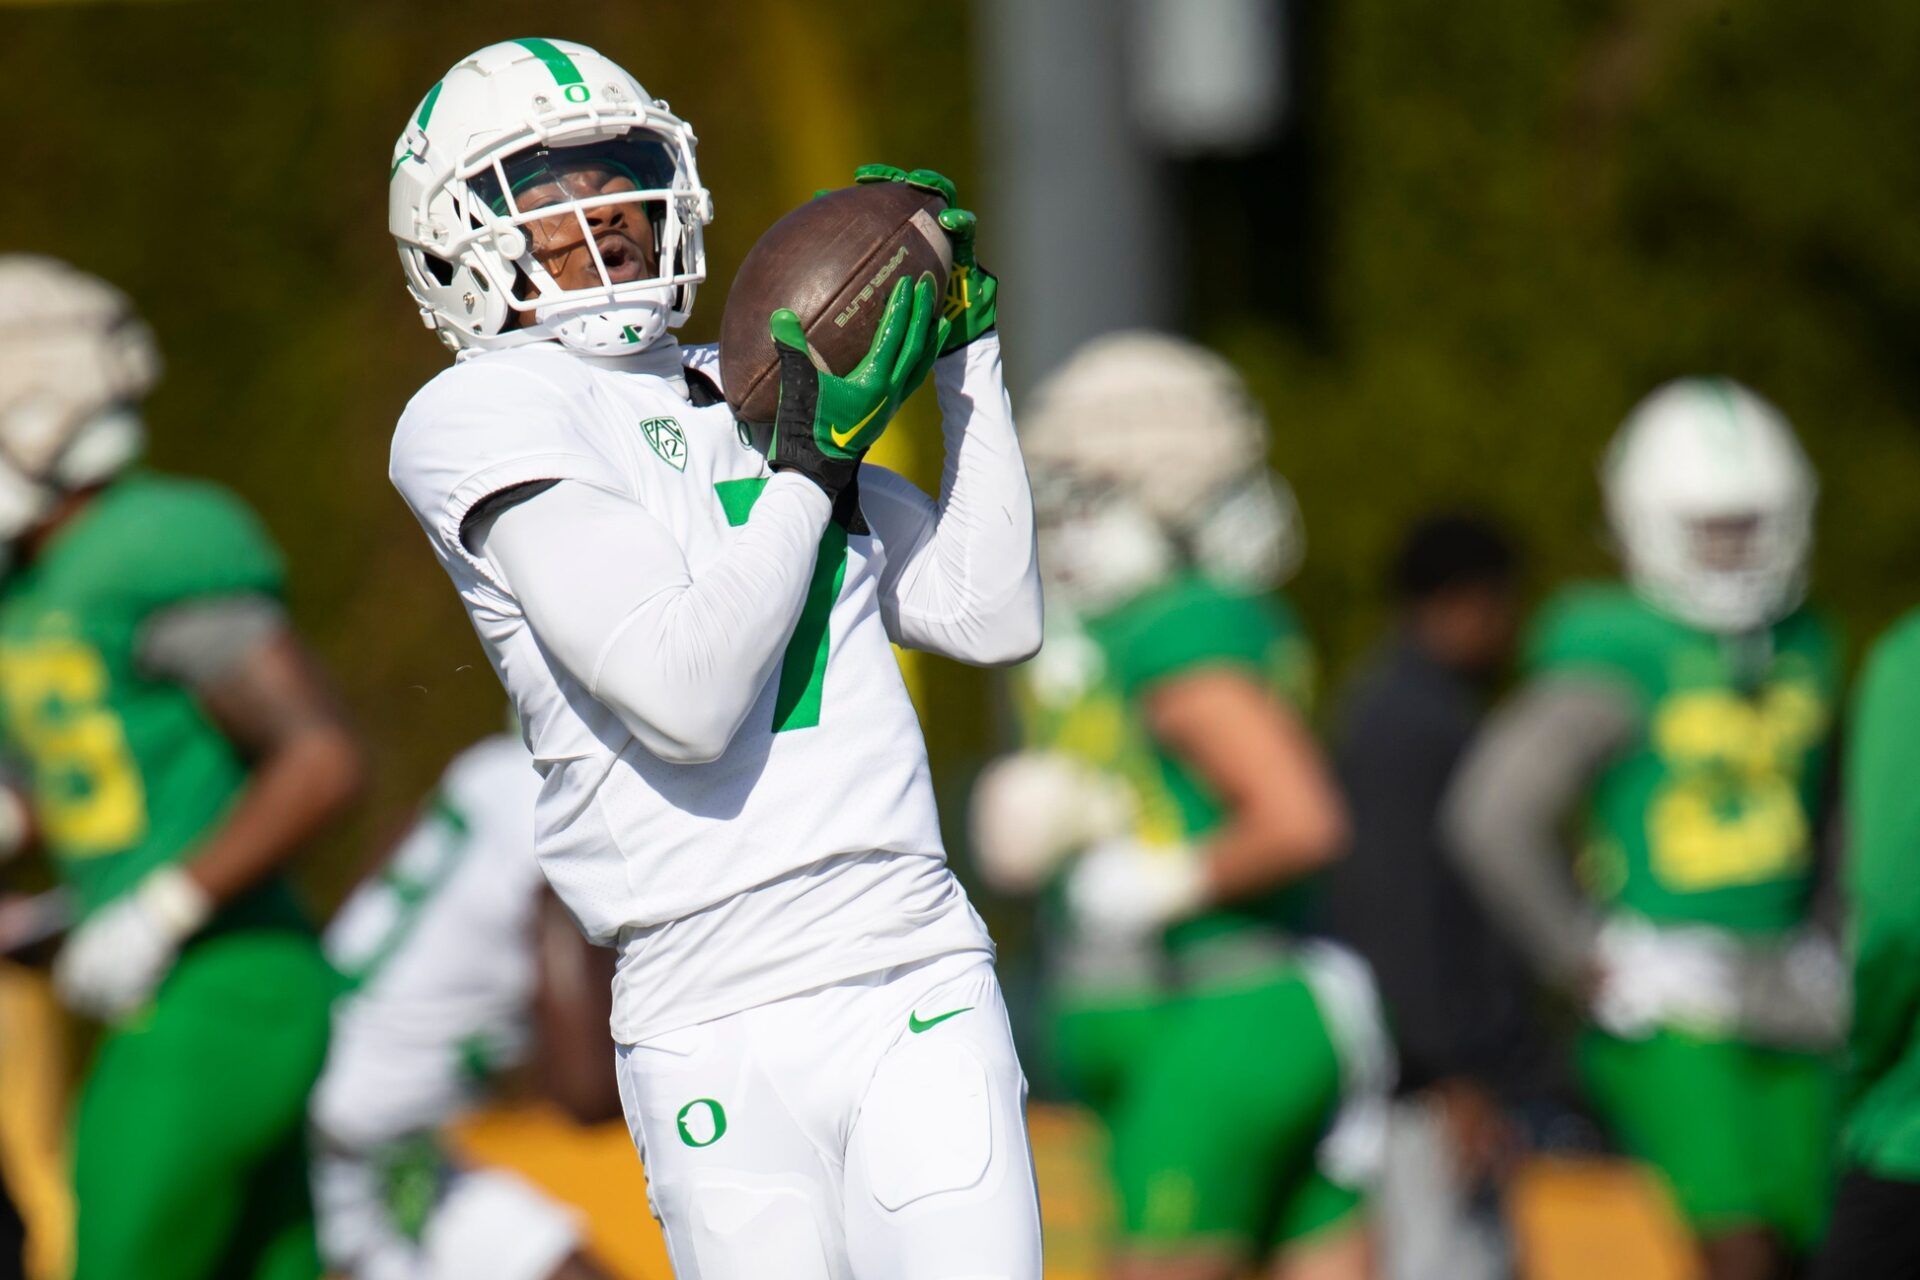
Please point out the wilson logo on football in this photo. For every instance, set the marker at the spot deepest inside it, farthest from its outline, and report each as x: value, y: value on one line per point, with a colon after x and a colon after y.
x: 668, y: 440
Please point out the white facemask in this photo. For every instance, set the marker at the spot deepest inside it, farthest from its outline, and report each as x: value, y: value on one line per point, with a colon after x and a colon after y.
x: 1101, y: 556
x: 98, y: 449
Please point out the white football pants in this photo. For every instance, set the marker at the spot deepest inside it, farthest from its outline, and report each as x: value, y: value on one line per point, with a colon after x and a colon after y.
x: 874, y: 1129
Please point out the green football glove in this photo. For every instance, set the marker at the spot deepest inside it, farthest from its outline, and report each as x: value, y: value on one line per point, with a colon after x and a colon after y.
x: 826, y: 424
x: 972, y: 293
x: 925, y: 179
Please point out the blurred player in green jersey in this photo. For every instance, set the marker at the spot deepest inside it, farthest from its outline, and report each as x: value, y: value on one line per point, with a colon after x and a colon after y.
x: 1170, y: 802
x: 180, y: 748
x: 1876, y: 1216
x: 1682, y: 721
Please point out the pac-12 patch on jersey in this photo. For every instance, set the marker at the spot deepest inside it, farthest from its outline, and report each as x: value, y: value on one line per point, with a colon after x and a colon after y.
x: 668, y: 440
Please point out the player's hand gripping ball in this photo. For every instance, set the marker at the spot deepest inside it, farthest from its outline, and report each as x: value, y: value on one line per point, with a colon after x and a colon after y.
x: 972, y: 292
x: 833, y: 262
x: 825, y: 424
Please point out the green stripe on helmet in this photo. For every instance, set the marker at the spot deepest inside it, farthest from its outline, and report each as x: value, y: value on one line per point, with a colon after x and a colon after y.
x: 1723, y: 393
x: 426, y: 107
x: 564, y: 72
x: 1719, y: 392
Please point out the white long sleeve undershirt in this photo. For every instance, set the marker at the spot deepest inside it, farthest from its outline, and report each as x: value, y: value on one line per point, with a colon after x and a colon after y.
x: 682, y: 660
x: 962, y: 576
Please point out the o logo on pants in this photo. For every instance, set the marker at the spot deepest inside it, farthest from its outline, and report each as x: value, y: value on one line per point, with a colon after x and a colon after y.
x: 701, y: 1122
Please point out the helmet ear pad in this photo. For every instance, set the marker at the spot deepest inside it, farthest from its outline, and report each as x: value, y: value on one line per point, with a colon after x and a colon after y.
x: 457, y: 288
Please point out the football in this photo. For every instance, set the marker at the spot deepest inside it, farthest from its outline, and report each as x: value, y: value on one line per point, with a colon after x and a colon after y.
x: 833, y: 261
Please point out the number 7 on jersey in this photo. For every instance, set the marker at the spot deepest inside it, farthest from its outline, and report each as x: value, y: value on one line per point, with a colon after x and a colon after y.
x: 803, y: 668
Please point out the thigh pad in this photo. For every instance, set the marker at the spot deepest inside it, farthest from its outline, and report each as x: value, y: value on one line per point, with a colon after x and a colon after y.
x: 926, y: 1124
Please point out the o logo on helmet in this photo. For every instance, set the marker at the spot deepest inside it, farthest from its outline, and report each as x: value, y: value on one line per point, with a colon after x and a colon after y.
x: 577, y: 93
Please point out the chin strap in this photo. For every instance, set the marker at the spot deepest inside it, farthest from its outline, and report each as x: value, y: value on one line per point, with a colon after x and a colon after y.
x: 597, y: 329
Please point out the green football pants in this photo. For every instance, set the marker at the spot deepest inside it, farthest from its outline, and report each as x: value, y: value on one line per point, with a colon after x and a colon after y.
x: 1216, y: 1102
x: 189, y: 1159
x: 1742, y: 1135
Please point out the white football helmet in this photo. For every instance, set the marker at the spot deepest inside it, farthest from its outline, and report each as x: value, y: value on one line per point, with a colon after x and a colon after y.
x: 555, y: 121
x: 1148, y: 452
x: 75, y: 361
x: 1711, y: 502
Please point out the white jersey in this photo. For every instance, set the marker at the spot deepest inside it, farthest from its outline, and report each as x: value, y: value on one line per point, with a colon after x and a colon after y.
x: 439, y: 945
x: 822, y: 803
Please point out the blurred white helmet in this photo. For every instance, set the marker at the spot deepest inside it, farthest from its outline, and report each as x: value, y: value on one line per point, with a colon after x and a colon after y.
x: 1148, y: 451
x: 531, y: 138
x: 1711, y: 501
x: 75, y: 361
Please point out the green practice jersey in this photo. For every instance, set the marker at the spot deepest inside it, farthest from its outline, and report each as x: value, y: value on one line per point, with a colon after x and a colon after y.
x: 1708, y: 815
x: 127, y: 772
x: 1187, y: 625
x: 1882, y: 1125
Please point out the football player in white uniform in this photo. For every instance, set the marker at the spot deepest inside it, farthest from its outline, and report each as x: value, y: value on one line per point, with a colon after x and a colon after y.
x: 460, y: 969
x: 694, y: 622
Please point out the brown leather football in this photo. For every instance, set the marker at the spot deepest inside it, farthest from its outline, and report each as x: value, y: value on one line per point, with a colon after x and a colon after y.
x: 833, y: 261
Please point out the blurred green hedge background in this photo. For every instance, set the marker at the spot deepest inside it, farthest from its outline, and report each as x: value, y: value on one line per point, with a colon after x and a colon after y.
x: 1515, y: 218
